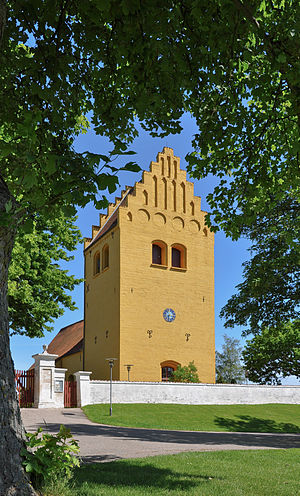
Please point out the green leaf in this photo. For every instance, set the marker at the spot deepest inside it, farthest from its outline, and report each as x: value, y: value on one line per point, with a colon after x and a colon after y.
x: 68, y: 210
x: 262, y: 6
x: 51, y: 164
x: 29, y: 467
x: 132, y: 167
x: 30, y: 179
x: 281, y: 58
x: 5, y: 149
x: 105, y: 158
x: 8, y: 207
x: 28, y: 226
x: 129, y: 152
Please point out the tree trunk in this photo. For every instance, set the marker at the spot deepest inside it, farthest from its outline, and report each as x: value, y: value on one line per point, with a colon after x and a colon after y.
x: 13, y: 480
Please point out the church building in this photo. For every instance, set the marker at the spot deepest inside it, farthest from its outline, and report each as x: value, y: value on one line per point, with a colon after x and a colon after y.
x: 149, y: 281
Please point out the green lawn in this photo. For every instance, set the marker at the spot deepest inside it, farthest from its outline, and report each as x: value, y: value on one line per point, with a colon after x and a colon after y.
x: 229, y: 418
x: 226, y: 473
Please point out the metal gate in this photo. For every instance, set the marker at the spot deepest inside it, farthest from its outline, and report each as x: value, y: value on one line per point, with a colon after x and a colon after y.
x: 24, y: 380
x: 70, y: 394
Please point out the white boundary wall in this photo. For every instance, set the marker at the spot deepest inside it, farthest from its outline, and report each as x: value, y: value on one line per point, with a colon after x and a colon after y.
x: 190, y: 394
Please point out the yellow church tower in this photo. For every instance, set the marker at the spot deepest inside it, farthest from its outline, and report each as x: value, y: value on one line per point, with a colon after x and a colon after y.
x: 149, y: 281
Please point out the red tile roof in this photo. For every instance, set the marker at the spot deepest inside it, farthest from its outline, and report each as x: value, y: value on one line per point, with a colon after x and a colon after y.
x: 68, y: 338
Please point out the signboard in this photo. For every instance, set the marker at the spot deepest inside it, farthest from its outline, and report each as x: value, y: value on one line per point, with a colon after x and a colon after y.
x: 58, y: 386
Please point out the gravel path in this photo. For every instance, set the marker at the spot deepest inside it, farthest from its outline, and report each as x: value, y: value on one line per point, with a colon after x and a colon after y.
x: 101, y: 443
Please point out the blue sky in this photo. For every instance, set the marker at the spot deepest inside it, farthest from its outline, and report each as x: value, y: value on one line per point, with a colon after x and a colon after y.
x: 229, y: 255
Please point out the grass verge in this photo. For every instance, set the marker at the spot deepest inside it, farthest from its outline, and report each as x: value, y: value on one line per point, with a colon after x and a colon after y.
x: 222, y: 418
x: 230, y: 473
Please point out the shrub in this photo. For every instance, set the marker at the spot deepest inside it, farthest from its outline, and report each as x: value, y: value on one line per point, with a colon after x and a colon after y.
x: 50, y: 456
x: 188, y: 373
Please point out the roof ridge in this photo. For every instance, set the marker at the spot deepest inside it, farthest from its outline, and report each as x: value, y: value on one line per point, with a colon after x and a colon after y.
x: 69, y: 325
x: 113, y: 213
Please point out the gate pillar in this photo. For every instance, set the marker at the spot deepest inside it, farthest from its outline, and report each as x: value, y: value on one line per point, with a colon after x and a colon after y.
x: 48, y: 381
x: 83, y: 387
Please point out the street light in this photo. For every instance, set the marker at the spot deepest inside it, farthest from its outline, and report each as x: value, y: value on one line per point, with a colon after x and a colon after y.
x: 111, y: 362
x: 128, y: 365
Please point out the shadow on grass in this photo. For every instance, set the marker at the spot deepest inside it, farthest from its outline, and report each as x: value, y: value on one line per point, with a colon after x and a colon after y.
x: 146, y: 475
x: 247, y: 423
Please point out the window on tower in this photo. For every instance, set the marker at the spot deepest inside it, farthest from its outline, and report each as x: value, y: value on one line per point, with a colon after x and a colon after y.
x: 159, y: 253
x: 97, y: 263
x: 105, y: 257
x: 156, y: 254
x: 178, y: 256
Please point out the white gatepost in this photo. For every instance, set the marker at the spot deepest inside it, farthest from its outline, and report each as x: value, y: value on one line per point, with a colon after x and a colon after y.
x: 59, y: 388
x: 83, y: 387
x: 49, y: 381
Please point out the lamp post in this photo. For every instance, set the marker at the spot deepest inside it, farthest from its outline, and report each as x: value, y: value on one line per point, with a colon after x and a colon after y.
x: 111, y: 362
x: 128, y: 365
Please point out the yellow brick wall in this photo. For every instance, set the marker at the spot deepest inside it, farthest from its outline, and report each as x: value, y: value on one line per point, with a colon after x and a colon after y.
x: 162, y: 207
x: 72, y: 363
x: 102, y: 309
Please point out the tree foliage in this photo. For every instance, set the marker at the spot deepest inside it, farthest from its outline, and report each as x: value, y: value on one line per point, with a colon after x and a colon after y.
x: 273, y: 354
x: 187, y: 373
x: 269, y: 294
x: 228, y: 363
x: 233, y: 64
x: 37, y: 285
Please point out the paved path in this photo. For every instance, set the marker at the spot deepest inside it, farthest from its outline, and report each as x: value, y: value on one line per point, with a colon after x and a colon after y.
x: 99, y: 443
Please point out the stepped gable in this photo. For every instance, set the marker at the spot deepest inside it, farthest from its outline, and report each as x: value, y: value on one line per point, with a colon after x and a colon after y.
x: 164, y: 187
x: 107, y: 221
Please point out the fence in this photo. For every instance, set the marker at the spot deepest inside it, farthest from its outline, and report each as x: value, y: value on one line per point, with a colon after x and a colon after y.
x: 24, y: 380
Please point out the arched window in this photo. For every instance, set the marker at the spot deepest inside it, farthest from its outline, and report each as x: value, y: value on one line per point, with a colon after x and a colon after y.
x: 179, y: 256
x: 97, y: 263
x: 105, y: 257
x: 176, y: 257
x: 159, y: 253
x: 166, y: 373
x: 167, y: 369
x: 156, y: 254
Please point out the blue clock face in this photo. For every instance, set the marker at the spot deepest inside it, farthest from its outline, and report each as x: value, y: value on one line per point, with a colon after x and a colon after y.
x: 169, y: 314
